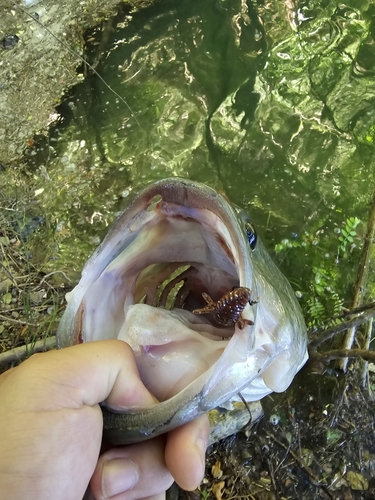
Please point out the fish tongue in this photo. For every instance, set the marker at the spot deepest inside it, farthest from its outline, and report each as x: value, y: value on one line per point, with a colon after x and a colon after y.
x: 169, y: 353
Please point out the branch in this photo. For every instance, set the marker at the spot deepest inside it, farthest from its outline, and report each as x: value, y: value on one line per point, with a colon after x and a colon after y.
x: 344, y: 353
x: 356, y: 310
x: 19, y: 353
x: 323, y: 336
x: 363, y: 269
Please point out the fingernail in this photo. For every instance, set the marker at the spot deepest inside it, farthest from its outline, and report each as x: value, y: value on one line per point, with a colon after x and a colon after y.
x: 119, y: 475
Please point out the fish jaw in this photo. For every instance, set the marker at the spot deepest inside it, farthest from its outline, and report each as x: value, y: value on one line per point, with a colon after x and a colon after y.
x: 175, y: 223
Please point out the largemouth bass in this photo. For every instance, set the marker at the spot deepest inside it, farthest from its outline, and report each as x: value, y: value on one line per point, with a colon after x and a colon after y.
x: 183, y: 279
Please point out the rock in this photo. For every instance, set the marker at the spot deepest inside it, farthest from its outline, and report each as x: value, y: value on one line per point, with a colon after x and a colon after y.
x: 5, y: 285
x: 9, y: 42
x: 41, y: 66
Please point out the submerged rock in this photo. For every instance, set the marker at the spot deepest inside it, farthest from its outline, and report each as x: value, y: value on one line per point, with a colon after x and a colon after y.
x: 9, y: 42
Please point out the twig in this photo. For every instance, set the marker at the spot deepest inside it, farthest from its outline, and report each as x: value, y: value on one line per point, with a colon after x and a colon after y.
x: 341, y: 327
x: 13, y: 320
x: 300, y: 461
x: 366, y: 345
x: 273, y: 480
x: 360, y: 284
x: 232, y: 421
x: 344, y: 353
x: 19, y: 353
x: 6, y: 270
x: 51, y: 274
x: 355, y: 310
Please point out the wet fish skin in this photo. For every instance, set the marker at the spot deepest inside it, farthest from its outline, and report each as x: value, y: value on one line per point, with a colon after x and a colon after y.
x: 259, y: 358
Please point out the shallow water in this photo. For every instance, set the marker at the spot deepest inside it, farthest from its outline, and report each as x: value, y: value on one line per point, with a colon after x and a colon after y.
x: 273, y: 103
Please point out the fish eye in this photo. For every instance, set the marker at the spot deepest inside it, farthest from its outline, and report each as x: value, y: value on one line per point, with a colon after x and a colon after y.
x: 251, y: 235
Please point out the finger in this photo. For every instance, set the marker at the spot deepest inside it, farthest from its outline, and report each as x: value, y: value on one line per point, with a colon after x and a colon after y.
x: 185, y: 452
x: 90, y: 373
x: 134, y: 472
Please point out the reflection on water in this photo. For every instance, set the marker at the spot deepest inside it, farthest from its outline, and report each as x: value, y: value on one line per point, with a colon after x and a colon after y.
x: 271, y: 102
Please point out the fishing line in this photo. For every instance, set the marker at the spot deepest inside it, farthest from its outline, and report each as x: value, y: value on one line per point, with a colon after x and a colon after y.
x: 64, y: 44
x: 247, y: 425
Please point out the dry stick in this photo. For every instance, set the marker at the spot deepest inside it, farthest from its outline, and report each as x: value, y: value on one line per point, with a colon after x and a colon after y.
x: 344, y: 353
x: 19, y: 353
x: 341, y: 327
x: 359, y: 287
x: 364, y: 354
x: 273, y: 480
x: 13, y: 320
x: 366, y: 345
x: 315, y: 479
x: 356, y: 310
x: 51, y: 274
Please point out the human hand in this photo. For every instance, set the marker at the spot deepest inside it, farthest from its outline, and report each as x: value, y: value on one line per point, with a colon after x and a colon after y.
x: 51, y: 430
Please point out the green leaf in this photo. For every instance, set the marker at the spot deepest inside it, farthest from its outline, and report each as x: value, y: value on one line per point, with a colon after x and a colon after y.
x: 7, y: 298
x: 333, y: 436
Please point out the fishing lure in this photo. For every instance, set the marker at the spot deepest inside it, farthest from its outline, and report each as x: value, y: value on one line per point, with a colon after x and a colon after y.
x: 227, y: 310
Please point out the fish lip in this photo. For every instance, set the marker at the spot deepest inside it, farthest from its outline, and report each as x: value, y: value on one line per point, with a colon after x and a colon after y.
x: 189, y: 193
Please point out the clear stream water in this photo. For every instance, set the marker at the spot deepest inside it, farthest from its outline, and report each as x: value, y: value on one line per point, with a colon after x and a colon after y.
x: 271, y: 102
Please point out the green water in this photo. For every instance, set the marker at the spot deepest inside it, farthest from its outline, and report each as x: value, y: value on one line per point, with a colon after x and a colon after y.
x: 271, y: 102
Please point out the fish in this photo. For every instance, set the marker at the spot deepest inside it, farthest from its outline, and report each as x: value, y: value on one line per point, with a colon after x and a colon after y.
x: 166, y: 279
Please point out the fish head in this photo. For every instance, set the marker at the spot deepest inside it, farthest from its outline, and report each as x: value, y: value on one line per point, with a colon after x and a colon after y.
x: 178, y: 242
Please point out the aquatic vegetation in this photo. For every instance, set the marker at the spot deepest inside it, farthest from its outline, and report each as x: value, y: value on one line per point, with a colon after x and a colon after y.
x: 326, y: 275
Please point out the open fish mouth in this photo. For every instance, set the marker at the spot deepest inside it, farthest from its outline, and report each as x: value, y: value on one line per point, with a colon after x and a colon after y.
x: 171, y: 252
x: 180, y: 249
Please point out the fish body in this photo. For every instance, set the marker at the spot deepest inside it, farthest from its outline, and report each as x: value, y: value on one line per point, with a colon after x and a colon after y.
x: 176, y: 242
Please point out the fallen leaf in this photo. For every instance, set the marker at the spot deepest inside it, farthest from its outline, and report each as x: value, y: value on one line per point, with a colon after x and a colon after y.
x: 216, y: 470
x: 217, y: 489
x: 356, y: 481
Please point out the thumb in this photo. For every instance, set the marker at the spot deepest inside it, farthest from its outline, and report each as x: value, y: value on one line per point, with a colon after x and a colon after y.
x: 87, y: 374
